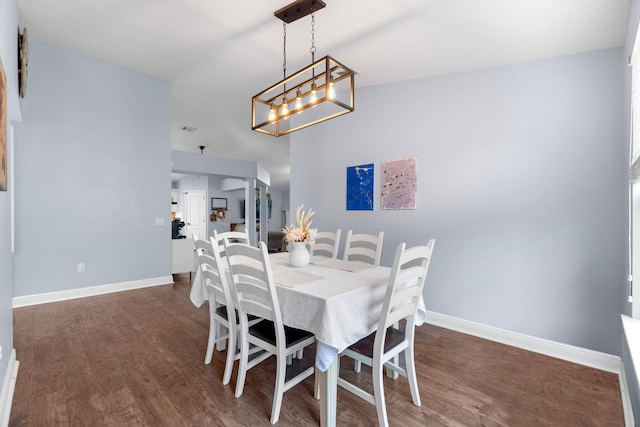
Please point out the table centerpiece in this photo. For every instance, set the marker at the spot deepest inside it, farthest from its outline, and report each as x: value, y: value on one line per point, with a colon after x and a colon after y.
x: 299, y: 236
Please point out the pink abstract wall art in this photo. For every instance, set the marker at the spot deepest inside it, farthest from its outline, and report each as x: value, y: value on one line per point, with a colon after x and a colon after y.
x: 398, y: 189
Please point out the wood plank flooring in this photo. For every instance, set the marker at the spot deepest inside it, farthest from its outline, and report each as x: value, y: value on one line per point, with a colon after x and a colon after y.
x: 136, y: 358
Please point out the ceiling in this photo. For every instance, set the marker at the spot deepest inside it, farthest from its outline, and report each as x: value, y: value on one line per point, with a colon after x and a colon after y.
x: 217, y: 54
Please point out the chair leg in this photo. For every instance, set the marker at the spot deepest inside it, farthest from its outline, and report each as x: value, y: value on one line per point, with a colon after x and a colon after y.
x: 231, y: 356
x: 220, y: 331
x: 213, y: 326
x: 396, y: 360
x: 411, y: 375
x: 378, y: 393
x: 281, y: 371
x: 242, y: 370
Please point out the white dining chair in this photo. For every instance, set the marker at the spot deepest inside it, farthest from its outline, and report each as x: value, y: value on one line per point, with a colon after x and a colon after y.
x: 256, y: 293
x: 382, y: 348
x: 326, y: 244
x: 363, y: 247
x: 220, y: 299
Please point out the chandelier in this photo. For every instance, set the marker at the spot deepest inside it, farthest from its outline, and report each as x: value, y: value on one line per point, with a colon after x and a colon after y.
x: 320, y: 91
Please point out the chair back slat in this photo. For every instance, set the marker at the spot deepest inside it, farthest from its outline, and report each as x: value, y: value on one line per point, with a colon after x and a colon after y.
x: 410, y: 294
x: 251, y: 289
x: 403, y: 312
x: 204, y: 245
x: 326, y: 244
x: 214, y: 287
x: 231, y: 236
x: 363, y: 247
x: 256, y: 308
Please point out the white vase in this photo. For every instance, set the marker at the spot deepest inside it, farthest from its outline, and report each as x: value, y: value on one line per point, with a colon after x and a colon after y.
x: 298, y: 254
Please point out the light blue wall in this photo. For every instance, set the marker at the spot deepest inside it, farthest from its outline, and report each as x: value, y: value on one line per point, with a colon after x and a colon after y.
x: 93, y: 174
x: 521, y: 181
x: 8, y: 56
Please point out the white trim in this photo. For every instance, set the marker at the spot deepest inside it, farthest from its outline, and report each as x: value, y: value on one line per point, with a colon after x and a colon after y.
x: 35, y: 299
x: 582, y: 356
x: 631, y: 329
x: 627, y: 408
x: 8, y: 387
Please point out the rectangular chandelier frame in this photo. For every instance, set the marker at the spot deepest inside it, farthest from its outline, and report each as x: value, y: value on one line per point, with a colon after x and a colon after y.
x: 334, y: 87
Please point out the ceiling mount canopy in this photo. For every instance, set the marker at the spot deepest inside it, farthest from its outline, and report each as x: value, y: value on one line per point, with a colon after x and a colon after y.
x: 320, y: 91
x: 299, y: 9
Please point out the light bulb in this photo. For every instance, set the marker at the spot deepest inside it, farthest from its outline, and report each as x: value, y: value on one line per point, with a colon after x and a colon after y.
x: 299, y: 101
x: 332, y: 91
x: 313, y: 98
x: 272, y: 113
x: 285, y: 108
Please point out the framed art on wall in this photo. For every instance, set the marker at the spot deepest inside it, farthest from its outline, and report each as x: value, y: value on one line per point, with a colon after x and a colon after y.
x: 398, y: 186
x: 360, y: 188
x: 218, y: 203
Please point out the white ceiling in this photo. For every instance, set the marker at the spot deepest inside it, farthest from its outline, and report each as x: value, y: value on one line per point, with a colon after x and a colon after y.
x: 218, y: 54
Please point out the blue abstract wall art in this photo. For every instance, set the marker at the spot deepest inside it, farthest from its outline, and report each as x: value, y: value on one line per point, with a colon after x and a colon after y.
x: 360, y: 188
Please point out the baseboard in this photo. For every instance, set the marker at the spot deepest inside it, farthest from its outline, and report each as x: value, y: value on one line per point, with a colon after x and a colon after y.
x: 627, y: 408
x: 579, y: 355
x: 35, y: 299
x: 8, y: 387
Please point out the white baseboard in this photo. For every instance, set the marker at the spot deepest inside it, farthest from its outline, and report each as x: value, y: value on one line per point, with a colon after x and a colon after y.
x: 582, y: 356
x: 627, y: 408
x: 35, y: 299
x: 8, y: 387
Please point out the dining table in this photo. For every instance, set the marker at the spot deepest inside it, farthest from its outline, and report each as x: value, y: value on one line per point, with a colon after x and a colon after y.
x: 339, y: 301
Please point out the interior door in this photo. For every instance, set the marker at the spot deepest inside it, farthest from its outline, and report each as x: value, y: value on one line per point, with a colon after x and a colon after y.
x: 195, y: 214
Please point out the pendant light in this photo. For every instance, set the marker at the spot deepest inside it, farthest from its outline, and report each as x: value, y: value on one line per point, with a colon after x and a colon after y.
x: 319, y: 92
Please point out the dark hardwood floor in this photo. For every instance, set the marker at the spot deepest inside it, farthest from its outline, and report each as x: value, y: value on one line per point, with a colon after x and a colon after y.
x: 136, y: 358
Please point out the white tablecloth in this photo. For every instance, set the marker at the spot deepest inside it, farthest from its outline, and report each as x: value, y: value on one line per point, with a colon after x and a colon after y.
x: 338, y: 306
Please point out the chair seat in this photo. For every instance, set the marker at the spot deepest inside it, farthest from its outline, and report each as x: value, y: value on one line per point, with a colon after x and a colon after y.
x: 365, y: 345
x: 222, y: 312
x: 265, y: 330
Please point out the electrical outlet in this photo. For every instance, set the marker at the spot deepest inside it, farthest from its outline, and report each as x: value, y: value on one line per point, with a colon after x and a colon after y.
x: 81, y: 267
x: 159, y: 221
